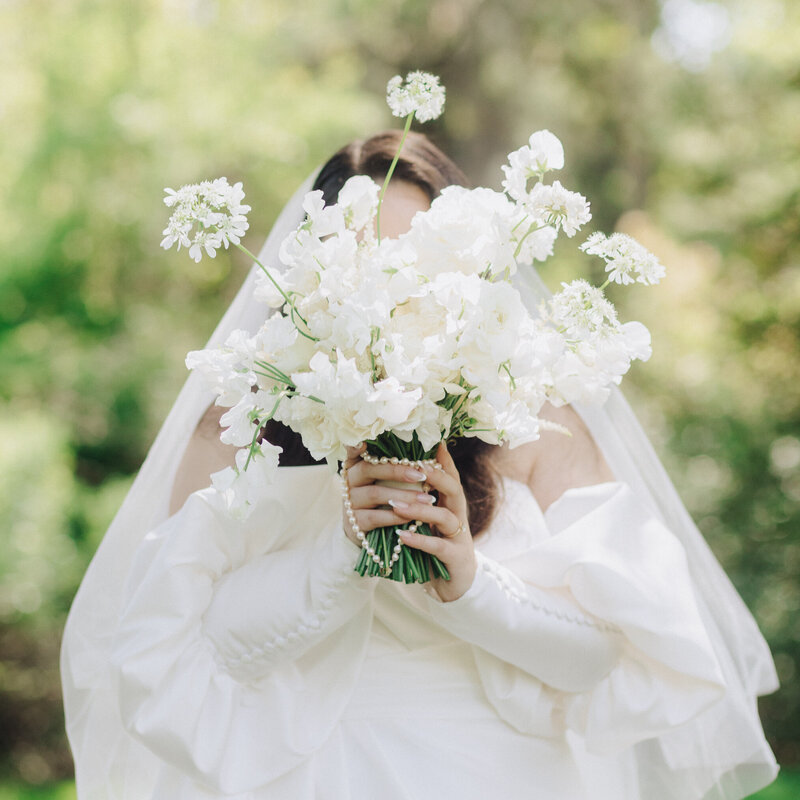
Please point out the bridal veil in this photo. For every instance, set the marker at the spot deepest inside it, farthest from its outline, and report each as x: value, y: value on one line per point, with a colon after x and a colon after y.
x: 719, y: 754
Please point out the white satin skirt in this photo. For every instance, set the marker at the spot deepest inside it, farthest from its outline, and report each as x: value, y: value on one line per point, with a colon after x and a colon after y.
x: 419, y: 727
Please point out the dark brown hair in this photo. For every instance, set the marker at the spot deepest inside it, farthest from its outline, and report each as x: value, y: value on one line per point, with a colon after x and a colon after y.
x: 426, y: 166
x: 420, y: 163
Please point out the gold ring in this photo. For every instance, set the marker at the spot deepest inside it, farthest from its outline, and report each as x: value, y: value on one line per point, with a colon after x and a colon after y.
x: 459, y: 530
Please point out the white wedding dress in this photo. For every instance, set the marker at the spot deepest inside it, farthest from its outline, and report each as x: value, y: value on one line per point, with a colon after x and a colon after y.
x: 601, y: 651
x: 255, y: 663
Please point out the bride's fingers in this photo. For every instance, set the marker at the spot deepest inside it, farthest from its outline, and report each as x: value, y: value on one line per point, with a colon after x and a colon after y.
x: 444, y: 483
x: 447, y: 482
x: 362, y: 473
x: 354, y: 455
x: 373, y: 495
x: 443, y: 519
x: 370, y: 518
x: 434, y: 545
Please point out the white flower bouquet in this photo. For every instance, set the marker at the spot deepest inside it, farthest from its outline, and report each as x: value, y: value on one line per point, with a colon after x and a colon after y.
x: 402, y: 343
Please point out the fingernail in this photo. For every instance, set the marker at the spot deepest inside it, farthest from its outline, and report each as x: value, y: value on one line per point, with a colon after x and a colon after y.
x: 398, y: 504
x: 404, y: 534
x: 415, y: 475
x: 423, y: 497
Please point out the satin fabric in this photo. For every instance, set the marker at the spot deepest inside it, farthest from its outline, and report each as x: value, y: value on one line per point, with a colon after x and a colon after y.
x: 255, y: 663
x: 721, y: 754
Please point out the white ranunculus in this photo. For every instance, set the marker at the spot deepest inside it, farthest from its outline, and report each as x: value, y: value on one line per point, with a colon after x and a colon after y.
x: 465, y: 230
x: 334, y: 258
x: 314, y: 424
x: 277, y: 334
x: 387, y: 405
x: 428, y: 420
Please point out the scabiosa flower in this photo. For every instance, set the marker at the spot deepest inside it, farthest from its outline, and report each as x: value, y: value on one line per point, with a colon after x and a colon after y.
x: 626, y: 260
x: 581, y: 310
x: 421, y: 94
x: 207, y: 216
x: 554, y: 205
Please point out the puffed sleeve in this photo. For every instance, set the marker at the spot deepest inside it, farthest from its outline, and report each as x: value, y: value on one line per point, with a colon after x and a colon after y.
x: 503, y: 615
x: 225, y: 658
x: 603, y: 614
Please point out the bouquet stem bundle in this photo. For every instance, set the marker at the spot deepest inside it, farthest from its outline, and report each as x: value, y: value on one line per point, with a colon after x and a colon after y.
x: 413, y: 566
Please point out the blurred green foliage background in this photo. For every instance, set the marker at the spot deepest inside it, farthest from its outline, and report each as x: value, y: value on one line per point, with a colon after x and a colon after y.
x: 681, y: 123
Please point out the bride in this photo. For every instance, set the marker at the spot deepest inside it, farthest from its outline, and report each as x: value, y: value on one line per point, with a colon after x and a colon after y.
x: 588, y: 645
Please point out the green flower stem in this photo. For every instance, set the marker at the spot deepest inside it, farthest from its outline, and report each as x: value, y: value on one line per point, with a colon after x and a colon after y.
x: 460, y: 402
x: 294, y: 311
x: 276, y: 374
x: 534, y: 227
x: 413, y: 566
x: 505, y: 366
x: 523, y: 220
x: 389, y: 173
x: 373, y: 338
x: 259, y: 426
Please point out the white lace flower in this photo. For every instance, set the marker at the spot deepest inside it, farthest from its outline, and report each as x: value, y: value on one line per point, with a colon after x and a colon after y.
x: 212, y: 210
x: 626, y: 260
x: 421, y: 94
x: 596, y: 350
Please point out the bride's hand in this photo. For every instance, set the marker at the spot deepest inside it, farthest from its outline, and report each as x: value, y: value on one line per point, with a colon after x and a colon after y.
x: 370, y: 500
x: 375, y: 505
x: 453, y: 546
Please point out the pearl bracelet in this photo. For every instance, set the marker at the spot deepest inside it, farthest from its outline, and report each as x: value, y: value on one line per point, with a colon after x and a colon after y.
x: 351, y: 517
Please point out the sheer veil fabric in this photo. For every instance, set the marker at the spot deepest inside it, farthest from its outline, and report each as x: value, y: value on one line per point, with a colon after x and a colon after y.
x: 720, y: 754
